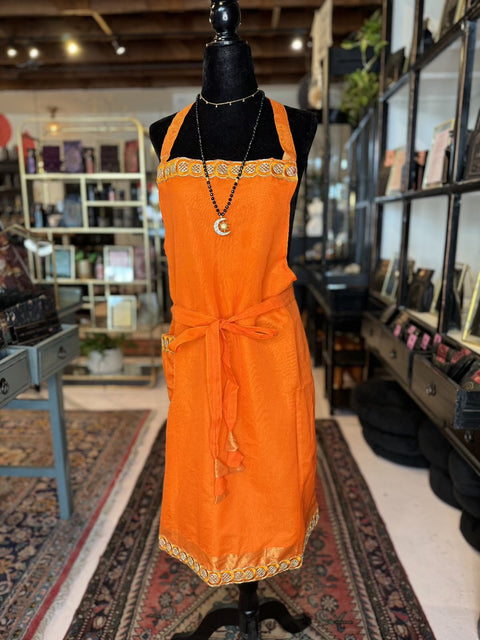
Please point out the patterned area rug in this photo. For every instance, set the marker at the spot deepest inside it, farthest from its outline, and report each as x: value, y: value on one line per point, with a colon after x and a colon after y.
x: 352, y: 584
x: 37, y: 549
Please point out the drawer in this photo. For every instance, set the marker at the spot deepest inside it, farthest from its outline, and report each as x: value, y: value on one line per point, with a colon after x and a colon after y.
x: 467, y: 442
x: 51, y: 355
x: 395, y: 354
x: 14, y: 376
x: 371, y: 332
x: 434, y: 391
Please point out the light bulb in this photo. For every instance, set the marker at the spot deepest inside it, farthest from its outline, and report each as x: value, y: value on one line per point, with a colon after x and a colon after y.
x: 297, y: 44
x: 12, y: 52
x: 33, y: 52
x: 72, y: 47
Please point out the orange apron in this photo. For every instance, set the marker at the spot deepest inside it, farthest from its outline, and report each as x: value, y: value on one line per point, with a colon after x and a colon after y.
x: 239, y: 489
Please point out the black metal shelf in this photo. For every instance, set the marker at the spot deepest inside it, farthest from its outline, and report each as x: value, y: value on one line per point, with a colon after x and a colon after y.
x: 455, y: 32
x: 464, y: 186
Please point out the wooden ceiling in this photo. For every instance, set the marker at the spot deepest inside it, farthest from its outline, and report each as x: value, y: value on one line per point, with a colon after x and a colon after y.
x: 164, y: 40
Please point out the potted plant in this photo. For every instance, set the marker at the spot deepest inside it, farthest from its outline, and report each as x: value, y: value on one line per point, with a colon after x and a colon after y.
x: 361, y: 87
x: 85, y: 263
x: 104, y: 352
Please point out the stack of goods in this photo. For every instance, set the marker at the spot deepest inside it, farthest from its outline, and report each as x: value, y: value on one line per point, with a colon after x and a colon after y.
x: 390, y: 421
x: 436, y: 448
x: 466, y: 489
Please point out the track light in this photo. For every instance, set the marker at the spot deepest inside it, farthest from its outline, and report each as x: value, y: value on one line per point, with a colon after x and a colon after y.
x: 119, y: 49
x: 297, y: 44
x: 12, y: 51
x: 72, y: 47
x: 33, y: 52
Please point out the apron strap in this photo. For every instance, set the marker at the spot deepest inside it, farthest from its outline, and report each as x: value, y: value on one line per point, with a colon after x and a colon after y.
x: 284, y: 132
x: 172, y: 133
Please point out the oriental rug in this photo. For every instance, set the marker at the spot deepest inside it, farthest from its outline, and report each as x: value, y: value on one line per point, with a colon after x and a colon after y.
x: 352, y: 584
x: 37, y: 548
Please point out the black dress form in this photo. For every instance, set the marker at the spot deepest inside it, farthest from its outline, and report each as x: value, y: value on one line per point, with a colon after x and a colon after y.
x: 228, y: 75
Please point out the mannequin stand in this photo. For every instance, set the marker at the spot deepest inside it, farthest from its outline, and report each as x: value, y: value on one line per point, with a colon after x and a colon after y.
x: 247, y: 617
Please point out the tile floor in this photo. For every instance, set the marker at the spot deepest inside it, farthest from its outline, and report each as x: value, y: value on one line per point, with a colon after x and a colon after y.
x: 443, y: 569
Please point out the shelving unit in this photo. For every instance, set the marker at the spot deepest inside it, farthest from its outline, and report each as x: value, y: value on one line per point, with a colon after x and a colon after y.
x: 435, y: 227
x: 10, y: 199
x: 88, y: 211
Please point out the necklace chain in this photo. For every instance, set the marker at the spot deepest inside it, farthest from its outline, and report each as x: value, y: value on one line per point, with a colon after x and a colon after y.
x: 222, y: 214
x: 229, y: 102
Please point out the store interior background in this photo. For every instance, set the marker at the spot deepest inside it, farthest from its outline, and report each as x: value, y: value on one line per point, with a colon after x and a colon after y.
x: 444, y: 570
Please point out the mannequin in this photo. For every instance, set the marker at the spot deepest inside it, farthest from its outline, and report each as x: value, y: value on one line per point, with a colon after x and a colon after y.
x: 228, y: 75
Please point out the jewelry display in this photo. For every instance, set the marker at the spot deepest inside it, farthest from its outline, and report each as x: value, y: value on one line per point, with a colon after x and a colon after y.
x: 229, y: 102
x: 221, y: 225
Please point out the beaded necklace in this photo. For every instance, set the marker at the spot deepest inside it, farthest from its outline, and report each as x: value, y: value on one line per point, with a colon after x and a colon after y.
x: 221, y: 225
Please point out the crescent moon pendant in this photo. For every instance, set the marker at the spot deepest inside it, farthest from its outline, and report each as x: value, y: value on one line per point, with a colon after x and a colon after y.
x: 221, y: 226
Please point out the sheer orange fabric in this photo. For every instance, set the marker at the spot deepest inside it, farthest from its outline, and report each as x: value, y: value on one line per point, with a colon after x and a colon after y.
x: 239, y: 490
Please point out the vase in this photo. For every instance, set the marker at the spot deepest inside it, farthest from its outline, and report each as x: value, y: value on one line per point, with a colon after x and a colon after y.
x: 108, y: 361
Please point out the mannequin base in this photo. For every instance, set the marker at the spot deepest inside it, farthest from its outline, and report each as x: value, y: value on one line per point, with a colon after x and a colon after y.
x: 247, y: 617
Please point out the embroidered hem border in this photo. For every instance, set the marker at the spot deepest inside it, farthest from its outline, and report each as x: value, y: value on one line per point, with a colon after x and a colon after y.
x: 246, y: 574
x: 226, y: 169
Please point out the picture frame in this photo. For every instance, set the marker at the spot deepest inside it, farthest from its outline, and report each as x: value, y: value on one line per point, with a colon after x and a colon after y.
x: 449, y: 14
x: 471, y: 331
x: 109, y: 158
x: 435, y: 164
x: 130, y: 156
x: 72, y: 156
x: 63, y: 264
x: 394, y: 66
x: 118, y: 263
x: 472, y: 168
x: 395, y: 182
x: 390, y: 283
x: 121, y: 313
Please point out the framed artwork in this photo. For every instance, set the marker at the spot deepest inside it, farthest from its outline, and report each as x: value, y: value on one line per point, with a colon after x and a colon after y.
x: 472, y: 170
x: 471, y: 332
x: 395, y: 182
x: 395, y: 65
x: 131, y: 156
x: 390, y: 283
x: 449, y: 15
x: 118, y: 263
x: 380, y: 274
x: 109, y: 158
x: 73, y: 156
x: 63, y: 263
x: 51, y: 158
x: 121, y: 313
x: 435, y: 165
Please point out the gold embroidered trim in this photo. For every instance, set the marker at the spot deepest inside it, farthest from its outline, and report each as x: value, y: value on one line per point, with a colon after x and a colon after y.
x: 183, y: 167
x: 245, y: 574
x: 166, y: 340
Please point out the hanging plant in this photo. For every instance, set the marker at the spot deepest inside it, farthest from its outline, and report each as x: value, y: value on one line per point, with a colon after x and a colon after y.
x: 361, y: 86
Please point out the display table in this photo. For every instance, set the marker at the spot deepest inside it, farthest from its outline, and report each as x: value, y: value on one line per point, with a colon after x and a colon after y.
x: 341, y: 299
x: 24, y: 366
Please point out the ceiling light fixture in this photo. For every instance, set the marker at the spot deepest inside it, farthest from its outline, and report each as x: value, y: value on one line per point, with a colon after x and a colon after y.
x: 297, y: 44
x: 72, y: 47
x: 12, y: 51
x: 33, y: 52
x: 119, y: 49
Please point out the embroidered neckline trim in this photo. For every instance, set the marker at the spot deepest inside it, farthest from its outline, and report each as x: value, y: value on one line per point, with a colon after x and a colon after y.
x: 189, y: 167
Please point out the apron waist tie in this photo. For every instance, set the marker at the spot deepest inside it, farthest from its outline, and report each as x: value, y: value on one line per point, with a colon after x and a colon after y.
x: 223, y: 403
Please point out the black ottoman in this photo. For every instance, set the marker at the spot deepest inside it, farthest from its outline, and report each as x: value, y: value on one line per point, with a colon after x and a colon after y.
x: 442, y: 486
x: 470, y: 528
x: 434, y: 446
x: 465, y: 480
x: 406, y: 459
